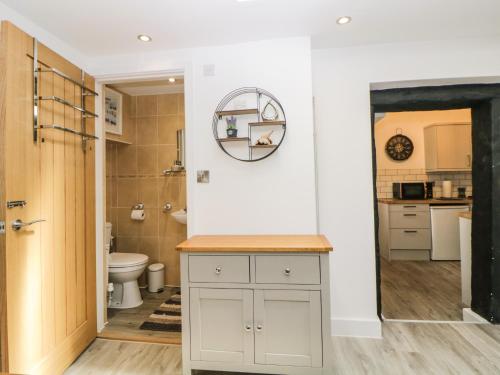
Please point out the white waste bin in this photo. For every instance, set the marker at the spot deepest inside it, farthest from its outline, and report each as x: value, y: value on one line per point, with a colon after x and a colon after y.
x: 156, y: 277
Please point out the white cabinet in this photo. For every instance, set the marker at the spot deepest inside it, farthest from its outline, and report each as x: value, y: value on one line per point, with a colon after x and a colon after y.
x: 448, y: 147
x: 263, y: 313
x: 405, y: 231
x: 222, y: 320
x: 288, y: 327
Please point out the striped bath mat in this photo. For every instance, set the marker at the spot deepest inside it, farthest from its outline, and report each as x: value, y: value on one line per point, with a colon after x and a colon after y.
x: 167, y: 317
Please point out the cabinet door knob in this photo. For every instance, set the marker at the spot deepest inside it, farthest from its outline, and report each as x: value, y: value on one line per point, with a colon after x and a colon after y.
x: 248, y: 327
x: 287, y: 271
x: 259, y: 327
x: 218, y: 270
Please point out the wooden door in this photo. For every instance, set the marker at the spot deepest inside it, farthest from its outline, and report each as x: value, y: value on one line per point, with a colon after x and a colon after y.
x: 47, y: 287
x: 288, y: 328
x: 222, y: 325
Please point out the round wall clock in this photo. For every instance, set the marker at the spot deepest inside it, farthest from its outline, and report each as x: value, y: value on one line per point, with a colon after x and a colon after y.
x: 399, y: 147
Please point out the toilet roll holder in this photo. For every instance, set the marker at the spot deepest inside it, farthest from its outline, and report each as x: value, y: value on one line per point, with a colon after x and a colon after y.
x: 138, y: 206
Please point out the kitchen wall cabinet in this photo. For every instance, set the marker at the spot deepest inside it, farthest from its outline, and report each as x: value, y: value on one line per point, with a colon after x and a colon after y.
x: 448, y: 147
x: 256, y: 312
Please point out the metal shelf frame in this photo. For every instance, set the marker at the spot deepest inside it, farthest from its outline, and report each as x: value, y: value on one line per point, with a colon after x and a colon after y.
x: 220, y: 112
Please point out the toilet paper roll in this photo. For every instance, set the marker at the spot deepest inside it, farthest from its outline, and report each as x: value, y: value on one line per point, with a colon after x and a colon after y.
x: 137, y: 215
x: 447, y: 189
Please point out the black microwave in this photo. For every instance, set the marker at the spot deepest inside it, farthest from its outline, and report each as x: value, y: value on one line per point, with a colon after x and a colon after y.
x: 408, y: 190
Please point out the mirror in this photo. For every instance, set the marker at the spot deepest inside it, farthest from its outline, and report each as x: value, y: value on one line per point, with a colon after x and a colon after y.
x: 180, y: 149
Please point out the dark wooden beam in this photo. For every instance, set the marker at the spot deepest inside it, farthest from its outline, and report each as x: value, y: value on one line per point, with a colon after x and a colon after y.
x: 433, y: 97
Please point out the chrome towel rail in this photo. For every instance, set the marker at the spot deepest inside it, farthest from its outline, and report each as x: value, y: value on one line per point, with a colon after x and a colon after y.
x: 85, y: 91
x: 65, y: 102
x: 68, y: 130
x: 68, y: 78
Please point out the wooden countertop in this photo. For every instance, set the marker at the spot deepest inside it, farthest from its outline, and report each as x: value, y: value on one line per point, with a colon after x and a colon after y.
x: 466, y: 215
x: 425, y: 201
x: 257, y: 243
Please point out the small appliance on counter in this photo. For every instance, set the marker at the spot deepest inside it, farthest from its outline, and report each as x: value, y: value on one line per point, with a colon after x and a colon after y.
x: 447, y: 189
x: 429, y: 190
x: 461, y: 192
x: 408, y: 190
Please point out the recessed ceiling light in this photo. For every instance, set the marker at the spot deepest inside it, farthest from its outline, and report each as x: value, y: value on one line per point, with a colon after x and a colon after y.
x: 144, y: 38
x: 171, y: 80
x: 344, y: 20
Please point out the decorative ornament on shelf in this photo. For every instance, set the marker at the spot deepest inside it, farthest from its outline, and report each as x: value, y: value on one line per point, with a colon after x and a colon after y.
x: 231, y: 130
x: 270, y: 113
x: 265, y: 139
x: 399, y: 147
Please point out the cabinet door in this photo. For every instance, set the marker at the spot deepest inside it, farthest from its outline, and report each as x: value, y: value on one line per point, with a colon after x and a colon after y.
x: 454, y: 147
x: 222, y: 325
x: 288, y: 328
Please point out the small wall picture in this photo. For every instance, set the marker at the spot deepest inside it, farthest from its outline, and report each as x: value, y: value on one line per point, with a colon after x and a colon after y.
x: 113, y: 106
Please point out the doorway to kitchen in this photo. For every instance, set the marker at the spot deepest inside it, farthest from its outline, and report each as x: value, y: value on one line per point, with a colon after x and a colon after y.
x: 434, y: 257
x: 145, y: 210
x: 424, y: 182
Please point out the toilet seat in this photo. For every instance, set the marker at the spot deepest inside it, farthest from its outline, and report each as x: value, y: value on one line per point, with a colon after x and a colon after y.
x: 123, y: 260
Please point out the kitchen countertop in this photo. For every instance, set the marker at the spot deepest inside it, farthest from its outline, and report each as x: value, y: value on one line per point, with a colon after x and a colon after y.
x: 424, y: 201
x: 256, y: 243
x: 466, y: 215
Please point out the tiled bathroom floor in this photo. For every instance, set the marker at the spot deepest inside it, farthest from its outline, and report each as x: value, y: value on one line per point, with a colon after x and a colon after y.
x: 124, y: 324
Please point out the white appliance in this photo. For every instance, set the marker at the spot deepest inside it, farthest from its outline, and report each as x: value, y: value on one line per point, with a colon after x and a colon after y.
x: 446, y: 232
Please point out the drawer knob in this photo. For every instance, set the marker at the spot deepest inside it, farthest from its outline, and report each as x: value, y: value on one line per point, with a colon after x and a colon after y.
x: 287, y: 271
x: 259, y: 327
x: 248, y: 327
x: 218, y: 270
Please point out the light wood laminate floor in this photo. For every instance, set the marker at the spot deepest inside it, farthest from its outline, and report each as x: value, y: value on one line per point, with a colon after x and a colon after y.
x: 419, y: 290
x: 124, y: 324
x: 407, y: 348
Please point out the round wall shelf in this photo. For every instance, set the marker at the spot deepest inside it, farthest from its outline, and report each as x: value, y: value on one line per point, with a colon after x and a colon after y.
x: 249, y: 124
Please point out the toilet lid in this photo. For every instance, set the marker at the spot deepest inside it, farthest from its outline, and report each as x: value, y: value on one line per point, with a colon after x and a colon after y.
x: 126, y: 259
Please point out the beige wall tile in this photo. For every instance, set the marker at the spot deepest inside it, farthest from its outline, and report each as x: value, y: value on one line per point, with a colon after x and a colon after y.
x: 149, y: 227
x: 181, y: 103
x: 147, y: 105
x: 148, y: 191
x: 126, y: 160
x: 168, y: 104
x: 126, y: 244
x: 147, y: 161
x: 147, y: 130
x: 127, y: 192
x: 150, y: 246
x: 167, y: 129
x: 126, y: 227
x: 167, y: 154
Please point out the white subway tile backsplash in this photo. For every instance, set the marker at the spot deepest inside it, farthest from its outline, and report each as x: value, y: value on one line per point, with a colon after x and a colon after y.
x: 385, y: 178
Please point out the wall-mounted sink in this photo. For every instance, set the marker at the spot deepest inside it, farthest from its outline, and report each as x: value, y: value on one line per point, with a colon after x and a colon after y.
x: 180, y: 216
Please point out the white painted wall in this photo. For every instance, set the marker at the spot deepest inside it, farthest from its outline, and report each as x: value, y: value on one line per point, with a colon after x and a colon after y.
x: 50, y: 40
x: 276, y: 195
x: 341, y: 85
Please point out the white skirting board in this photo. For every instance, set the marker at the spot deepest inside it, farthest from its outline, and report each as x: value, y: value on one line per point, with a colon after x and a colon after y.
x: 371, y: 328
x: 471, y: 317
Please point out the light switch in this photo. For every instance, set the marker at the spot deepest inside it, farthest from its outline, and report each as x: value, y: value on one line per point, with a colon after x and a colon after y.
x: 203, y: 177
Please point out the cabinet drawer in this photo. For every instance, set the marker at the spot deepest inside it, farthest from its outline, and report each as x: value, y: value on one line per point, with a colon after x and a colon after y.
x: 410, y: 220
x: 219, y: 268
x: 287, y: 269
x: 410, y: 207
x: 412, y: 239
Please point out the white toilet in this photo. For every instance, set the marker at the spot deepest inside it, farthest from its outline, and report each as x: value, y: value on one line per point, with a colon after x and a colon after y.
x: 124, y: 269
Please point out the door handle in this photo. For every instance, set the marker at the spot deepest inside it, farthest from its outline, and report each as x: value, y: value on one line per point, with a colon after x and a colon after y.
x: 18, y: 224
